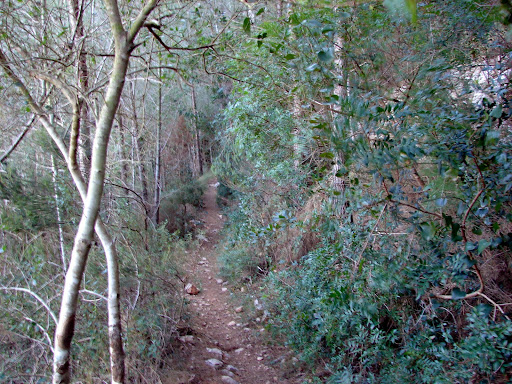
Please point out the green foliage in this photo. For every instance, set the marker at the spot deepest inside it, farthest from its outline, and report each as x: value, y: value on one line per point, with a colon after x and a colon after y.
x: 370, y: 323
x: 28, y: 205
x: 380, y: 119
x: 151, y: 283
x: 151, y: 289
x: 25, y: 326
x: 175, y: 206
x: 224, y: 193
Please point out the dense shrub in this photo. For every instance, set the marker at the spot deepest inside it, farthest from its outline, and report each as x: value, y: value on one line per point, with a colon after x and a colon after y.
x: 408, y: 153
x: 177, y: 205
x: 152, y: 305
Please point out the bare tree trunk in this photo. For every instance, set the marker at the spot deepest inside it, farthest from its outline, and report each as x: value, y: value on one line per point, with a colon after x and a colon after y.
x: 138, y: 142
x: 156, y: 202
x: 197, y: 133
x: 124, y: 155
x: 84, y: 236
x: 57, y: 209
x: 92, y: 197
x: 83, y: 84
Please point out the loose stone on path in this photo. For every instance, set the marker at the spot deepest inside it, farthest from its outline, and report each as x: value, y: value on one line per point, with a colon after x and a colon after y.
x: 214, y: 363
x: 228, y: 380
x: 216, y: 323
x: 191, y: 289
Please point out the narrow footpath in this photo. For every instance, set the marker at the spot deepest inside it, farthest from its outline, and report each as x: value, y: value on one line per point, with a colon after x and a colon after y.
x: 219, y: 347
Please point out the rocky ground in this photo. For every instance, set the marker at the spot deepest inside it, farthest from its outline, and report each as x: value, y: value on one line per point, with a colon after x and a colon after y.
x: 222, y: 343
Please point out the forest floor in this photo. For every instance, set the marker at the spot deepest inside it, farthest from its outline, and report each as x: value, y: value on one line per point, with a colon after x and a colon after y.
x: 223, y: 343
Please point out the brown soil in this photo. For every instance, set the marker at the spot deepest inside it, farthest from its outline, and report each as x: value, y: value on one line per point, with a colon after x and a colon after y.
x: 215, y: 325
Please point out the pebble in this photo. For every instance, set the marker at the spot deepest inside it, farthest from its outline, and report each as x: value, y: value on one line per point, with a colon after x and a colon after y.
x: 191, y: 289
x: 231, y: 323
x: 231, y: 368
x: 259, y: 358
x: 239, y: 309
x: 224, y: 289
x: 219, y: 281
x: 258, y: 305
x: 239, y: 350
x: 214, y: 363
x: 225, y: 372
x: 186, y: 339
x: 228, y: 380
x: 215, y: 351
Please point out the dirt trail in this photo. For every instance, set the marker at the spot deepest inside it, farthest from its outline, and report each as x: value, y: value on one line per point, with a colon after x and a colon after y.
x: 216, y: 329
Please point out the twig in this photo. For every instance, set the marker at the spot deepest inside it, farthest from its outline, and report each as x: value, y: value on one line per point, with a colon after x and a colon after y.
x: 496, y: 306
x: 36, y: 296
x: 358, y: 261
x: 45, y: 332
x: 18, y: 140
x: 471, y: 295
x: 93, y: 294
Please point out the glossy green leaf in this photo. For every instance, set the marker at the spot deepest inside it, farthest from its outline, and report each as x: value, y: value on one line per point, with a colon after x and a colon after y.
x: 470, y: 246
x: 247, y: 26
x: 492, y: 137
x: 482, y: 245
x: 427, y: 230
x: 326, y: 55
x: 482, y: 211
x: 496, y: 112
x: 476, y: 230
x: 327, y: 155
x: 458, y: 294
x: 441, y: 202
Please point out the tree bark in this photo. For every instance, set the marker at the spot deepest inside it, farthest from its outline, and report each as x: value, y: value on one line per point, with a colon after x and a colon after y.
x: 197, y: 133
x: 124, y: 155
x: 57, y: 209
x: 85, y: 152
x: 84, y: 235
x: 138, y: 143
x: 156, y: 201
x: 92, y: 198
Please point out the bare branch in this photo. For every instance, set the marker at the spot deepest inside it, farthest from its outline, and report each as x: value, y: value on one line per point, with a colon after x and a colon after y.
x: 75, y: 125
x: 36, y: 296
x: 18, y: 140
x: 140, y: 20
x: 169, y: 48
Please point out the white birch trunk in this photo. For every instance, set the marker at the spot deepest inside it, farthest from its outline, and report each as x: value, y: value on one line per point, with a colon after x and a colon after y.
x: 92, y: 199
x: 59, y: 219
x: 65, y: 327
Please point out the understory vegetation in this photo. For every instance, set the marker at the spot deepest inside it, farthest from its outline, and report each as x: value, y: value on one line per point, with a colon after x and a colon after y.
x: 369, y: 158
x: 363, y: 156
x: 151, y: 272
